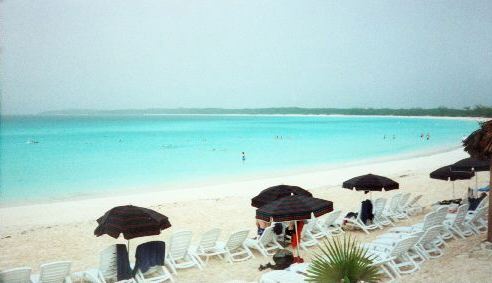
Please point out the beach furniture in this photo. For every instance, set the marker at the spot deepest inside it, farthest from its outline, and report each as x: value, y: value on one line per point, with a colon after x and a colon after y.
x: 390, y: 239
x: 284, y: 276
x: 379, y: 217
x: 413, y: 207
x: 235, y: 248
x: 430, y: 219
x: 208, y: 246
x: 177, y: 253
x: 16, y: 275
x: 475, y: 221
x: 265, y: 244
x: 456, y: 223
x: 392, y: 210
x: 402, y: 204
x: 396, y: 257
x: 328, y: 224
x: 107, y: 270
x: 149, y: 264
x: 357, y: 222
x: 54, y: 272
x: 308, y: 238
x: 429, y: 243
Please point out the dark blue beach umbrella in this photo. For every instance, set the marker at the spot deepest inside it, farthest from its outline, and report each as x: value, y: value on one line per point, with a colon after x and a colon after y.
x: 471, y: 164
x: 370, y: 182
x: 277, y: 192
x: 445, y: 173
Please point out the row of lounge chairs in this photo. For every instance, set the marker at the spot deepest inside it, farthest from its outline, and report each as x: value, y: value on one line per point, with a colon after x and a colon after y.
x: 402, y: 250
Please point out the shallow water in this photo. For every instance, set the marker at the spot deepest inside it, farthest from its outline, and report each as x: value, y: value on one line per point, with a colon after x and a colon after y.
x: 45, y: 158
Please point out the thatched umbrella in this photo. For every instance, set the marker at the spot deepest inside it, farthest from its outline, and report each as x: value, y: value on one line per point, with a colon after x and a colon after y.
x: 479, y: 145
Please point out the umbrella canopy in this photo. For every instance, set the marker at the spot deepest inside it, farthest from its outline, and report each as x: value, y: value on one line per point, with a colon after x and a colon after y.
x: 132, y: 222
x: 445, y: 173
x: 471, y: 164
x: 277, y: 192
x: 294, y: 207
x: 371, y: 182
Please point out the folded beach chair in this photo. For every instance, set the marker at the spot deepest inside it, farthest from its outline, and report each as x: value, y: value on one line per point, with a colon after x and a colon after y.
x: 357, y: 222
x: 396, y: 256
x: 208, y: 246
x: 54, y: 272
x: 328, y: 224
x: 16, y: 275
x: 149, y: 264
x: 177, y: 254
x: 108, y: 266
x: 235, y: 247
x: 456, y: 223
x: 266, y: 243
x: 379, y: 217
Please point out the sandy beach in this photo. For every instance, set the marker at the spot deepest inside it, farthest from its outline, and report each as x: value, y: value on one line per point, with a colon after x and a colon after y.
x: 38, y: 233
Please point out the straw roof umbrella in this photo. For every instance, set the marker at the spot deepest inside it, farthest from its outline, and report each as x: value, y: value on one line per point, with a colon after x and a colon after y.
x: 479, y: 145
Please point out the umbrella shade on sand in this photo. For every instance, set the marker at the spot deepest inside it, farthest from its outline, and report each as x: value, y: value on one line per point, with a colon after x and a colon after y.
x: 445, y: 173
x: 294, y: 207
x: 132, y: 222
x: 277, y: 192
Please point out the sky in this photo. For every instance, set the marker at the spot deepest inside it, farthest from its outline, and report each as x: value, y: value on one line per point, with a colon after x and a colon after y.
x: 97, y: 54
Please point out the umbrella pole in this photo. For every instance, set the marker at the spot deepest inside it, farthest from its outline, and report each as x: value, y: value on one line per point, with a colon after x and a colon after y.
x: 453, y: 190
x: 297, y: 238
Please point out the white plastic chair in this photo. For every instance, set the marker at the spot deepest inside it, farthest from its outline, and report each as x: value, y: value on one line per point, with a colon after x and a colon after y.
x: 16, y: 275
x: 107, y: 270
x: 207, y: 246
x: 54, y: 272
x: 155, y: 274
x: 266, y: 243
x: 357, y: 222
x: 413, y: 207
x: 308, y: 238
x: 379, y: 217
x: 177, y: 252
x: 475, y: 222
x: 235, y: 247
x: 328, y: 224
x: 402, y: 204
x: 392, y: 211
x: 428, y: 244
x: 456, y: 223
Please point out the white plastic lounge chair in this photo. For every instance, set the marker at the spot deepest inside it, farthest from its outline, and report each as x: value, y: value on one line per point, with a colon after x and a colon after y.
x: 390, y: 239
x: 402, y: 205
x: 308, y: 238
x: 379, y: 217
x: 328, y: 224
x: 177, y: 252
x: 357, y: 222
x: 54, y: 272
x: 475, y: 222
x: 282, y: 276
x: 396, y: 256
x: 413, y: 207
x: 207, y: 246
x: 155, y: 274
x: 428, y: 244
x: 456, y: 223
x: 107, y: 267
x: 16, y: 275
x: 235, y: 247
x: 266, y: 243
x: 392, y: 211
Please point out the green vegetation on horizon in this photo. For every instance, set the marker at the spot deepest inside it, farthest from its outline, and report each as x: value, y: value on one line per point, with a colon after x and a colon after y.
x: 476, y: 111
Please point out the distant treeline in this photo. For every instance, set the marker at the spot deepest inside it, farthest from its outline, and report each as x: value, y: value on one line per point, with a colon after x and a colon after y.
x: 476, y: 111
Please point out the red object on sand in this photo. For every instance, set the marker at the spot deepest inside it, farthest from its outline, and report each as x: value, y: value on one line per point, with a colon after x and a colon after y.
x: 298, y: 259
x: 297, y: 234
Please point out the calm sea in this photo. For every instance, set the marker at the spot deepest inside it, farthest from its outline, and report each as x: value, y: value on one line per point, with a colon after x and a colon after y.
x: 45, y: 158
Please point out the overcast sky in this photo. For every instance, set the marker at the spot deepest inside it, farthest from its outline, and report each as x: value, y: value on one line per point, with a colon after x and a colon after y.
x: 59, y: 54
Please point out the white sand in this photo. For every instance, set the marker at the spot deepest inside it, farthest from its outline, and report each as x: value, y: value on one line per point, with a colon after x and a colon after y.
x: 39, y: 233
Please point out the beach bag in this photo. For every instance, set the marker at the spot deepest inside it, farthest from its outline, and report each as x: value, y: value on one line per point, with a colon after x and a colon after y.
x: 282, y: 258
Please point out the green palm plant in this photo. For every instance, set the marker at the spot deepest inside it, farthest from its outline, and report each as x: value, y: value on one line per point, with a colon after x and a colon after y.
x: 342, y: 260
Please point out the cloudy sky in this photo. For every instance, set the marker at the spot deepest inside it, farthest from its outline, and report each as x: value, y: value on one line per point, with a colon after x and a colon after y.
x: 89, y: 54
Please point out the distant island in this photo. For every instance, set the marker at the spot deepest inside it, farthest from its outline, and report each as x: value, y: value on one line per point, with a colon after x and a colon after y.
x: 476, y: 111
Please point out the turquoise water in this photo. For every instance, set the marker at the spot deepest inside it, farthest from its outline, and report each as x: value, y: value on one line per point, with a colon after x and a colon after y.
x: 86, y: 156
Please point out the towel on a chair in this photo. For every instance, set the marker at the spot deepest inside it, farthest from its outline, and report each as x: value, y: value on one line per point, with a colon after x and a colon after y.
x: 123, y: 270
x: 148, y: 255
x: 366, y: 211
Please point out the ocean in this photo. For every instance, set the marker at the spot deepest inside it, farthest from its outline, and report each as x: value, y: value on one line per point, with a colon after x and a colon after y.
x: 54, y: 158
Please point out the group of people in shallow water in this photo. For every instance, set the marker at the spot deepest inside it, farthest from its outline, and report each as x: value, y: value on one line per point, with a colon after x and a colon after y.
x: 422, y: 136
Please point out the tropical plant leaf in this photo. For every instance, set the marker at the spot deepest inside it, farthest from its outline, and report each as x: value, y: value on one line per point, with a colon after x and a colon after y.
x: 341, y: 259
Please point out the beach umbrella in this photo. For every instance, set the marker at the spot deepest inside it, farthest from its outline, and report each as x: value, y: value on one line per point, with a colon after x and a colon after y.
x: 445, y: 173
x: 471, y: 164
x: 294, y: 207
x: 277, y: 192
x: 370, y: 182
x: 132, y: 222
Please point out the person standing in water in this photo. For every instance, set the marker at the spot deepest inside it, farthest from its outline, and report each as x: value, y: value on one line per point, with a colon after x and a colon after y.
x: 243, y: 156
x: 428, y: 136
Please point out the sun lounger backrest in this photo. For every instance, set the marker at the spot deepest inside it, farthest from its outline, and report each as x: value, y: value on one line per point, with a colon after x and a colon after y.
x: 267, y: 236
x: 430, y: 234
x: 483, y: 202
x: 441, y: 213
x: 54, y: 272
x: 414, y: 201
x: 331, y: 218
x: 481, y: 212
x: 237, y: 239
x: 378, y: 208
x: 403, y: 200
x: 16, y: 275
x: 402, y: 246
x: 460, y: 215
x: 108, y: 262
x: 209, y: 239
x: 429, y: 220
x: 179, y: 244
x: 395, y: 200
